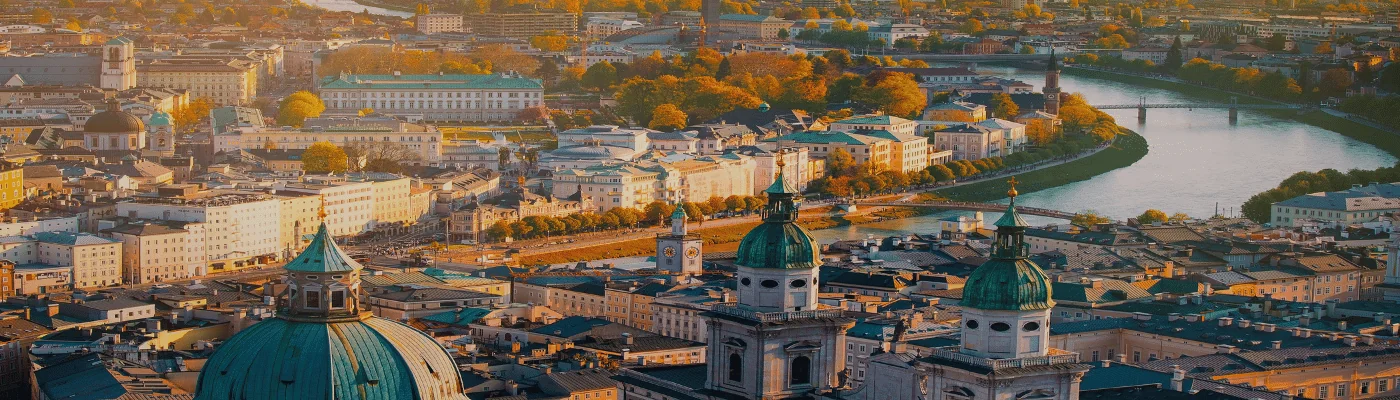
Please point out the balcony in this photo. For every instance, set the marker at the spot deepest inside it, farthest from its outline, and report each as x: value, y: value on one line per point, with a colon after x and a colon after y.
x: 1053, y: 356
x: 780, y: 316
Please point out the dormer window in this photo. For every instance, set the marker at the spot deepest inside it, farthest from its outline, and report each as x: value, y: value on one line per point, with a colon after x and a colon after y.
x: 312, y: 277
x: 313, y: 299
x: 338, y: 299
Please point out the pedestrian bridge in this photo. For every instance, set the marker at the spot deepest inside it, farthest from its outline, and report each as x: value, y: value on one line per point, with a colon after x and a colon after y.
x: 1201, y: 105
x: 960, y: 205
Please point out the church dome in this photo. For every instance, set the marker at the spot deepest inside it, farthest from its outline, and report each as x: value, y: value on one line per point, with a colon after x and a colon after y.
x: 779, y: 242
x: 322, y: 345
x: 160, y: 118
x: 1009, y: 280
x: 114, y: 120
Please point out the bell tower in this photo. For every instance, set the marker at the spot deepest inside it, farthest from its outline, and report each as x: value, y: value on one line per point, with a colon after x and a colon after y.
x: 118, y: 64
x: 775, y: 342
x: 1052, y: 85
x: 323, y: 284
x: 161, y: 134
x: 680, y: 251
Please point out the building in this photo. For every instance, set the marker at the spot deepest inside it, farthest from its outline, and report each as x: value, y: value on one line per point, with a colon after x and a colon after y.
x: 241, y: 229
x: 454, y: 97
x: 635, y: 139
x: 1052, y: 85
x: 1013, y: 134
x: 865, y: 149
x: 522, y: 25
x: 411, y: 302
x: 777, y: 274
x: 763, y: 27
x: 1357, y: 204
x: 114, y: 129
x: 118, y: 64
x: 604, y: 27
x: 224, y: 81
x: 110, y: 66
x: 340, y: 339
x: 95, y: 261
x: 876, y: 123
x: 424, y: 141
x: 153, y: 252
x: 434, y: 23
x: 11, y: 184
x: 349, y: 204
x: 956, y: 111
x: 679, y: 251
x: 637, y: 184
x: 472, y: 220
x: 969, y: 141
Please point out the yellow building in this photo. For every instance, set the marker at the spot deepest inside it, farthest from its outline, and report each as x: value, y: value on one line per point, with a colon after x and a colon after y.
x: 11, y: 185
x: 956, y: 111
x: 298, y: 219
x: 18, y: 129
x: 226, y: 82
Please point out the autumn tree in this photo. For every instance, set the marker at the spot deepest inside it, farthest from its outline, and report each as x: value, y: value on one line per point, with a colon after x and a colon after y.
x: 551, y: 41
x: 1152, y: 216
x: 667, y: 117
x: 378, y: 156
x: 600, y: 76
x: 41, y: 16
x: 1089, y: 218
x: 839, y: 163
x: 187, y: 118
x: 1003, y: 107
x: 895, y: 93
x: 504, y: 58
x: 299, y: 106
x: 324, y: 157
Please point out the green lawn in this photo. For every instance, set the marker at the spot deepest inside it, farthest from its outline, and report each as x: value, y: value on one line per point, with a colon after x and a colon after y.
x: 1128, y: 149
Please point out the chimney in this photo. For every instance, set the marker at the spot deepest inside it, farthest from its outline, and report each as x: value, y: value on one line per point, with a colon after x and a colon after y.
x: 1174, y: 316
x: 627, y: 338
x: 1178, y: 378
x: 1341, y: 325
x: 1142, y: 316
x: 1225, y: 349
x: 1105, y: 363
x: 1305, y: 320
x: 1368, y: 339
x: 1303, y: 333
x: 1349, y: 340
x: 514, y: 347
x: 1277, y: 344
x: 1194, y: 318
x: 1226, y: 321
x: 1243, y: 323
x: 1096, y: 283
x: 1122, y: 358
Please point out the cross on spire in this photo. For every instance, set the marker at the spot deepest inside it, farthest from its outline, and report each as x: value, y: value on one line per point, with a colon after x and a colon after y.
x: 321, y: 211
x: 1012, y: 193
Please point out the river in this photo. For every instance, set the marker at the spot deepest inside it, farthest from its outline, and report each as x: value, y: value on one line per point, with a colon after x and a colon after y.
x: 1196, y: 160
x: 352, y: 6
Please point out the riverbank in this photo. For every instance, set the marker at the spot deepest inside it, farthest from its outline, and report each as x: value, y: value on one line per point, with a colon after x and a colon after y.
x: 1379, y: 138
x: 387, y: 6
x: 1126, y: 150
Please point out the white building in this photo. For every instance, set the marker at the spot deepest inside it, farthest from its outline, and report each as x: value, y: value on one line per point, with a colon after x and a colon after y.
x: 423, y: 140
x: 634, y: 139
x: 603, y: 27
x: 349, y: 205
x: 434, y: 23
x: 241, y: 229
x: 489, y: 97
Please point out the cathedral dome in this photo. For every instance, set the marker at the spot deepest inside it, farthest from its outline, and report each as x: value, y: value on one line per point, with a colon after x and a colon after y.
x: 779, y: 242
x: 322, y: 345
x: 1009, y: 280
x: 114, y: 120
x: 160, y: 118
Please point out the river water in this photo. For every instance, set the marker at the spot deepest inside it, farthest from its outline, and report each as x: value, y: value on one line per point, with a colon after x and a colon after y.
x: 1196, y: 160
x: 352, y: 6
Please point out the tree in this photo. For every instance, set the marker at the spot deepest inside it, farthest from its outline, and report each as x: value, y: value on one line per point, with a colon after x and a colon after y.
x: 1089, y: 218
x: 839, y: 163
x: 1178, y: 218
x: 66, y: 4
x: 299, y: 106
x: 1323, y: 48
x: 499, y: 231
x: 1335, y: 82
x: 1152, y: 216
x: 1003, y: 107
x: 534, y: 114
x: 895, y: 93
x: 324, y: 157
x: 657, y: 212
x: 1174, y: 57
x: 41, y: 16
x: 551, y: 41
x: 187, y: 118
x: 725, y: 68
x: 667, y: 117
x: 600, y: 76
x: 941, y: 173
x: 378, y: 156
x: 502, y: 58
x: 1276, y: 42
x: 783, y: 34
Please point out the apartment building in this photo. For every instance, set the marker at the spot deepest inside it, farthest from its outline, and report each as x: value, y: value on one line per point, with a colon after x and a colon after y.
x: 1357, y: 204
x: 153, y: 252
x: 96, y: 261
x: 863, y: 148
x: 969, y: 141
x: 522, y: 24
x: 763, y: 27
x: 434, y: 23
x: 241, y: 229
x: 349, y: 205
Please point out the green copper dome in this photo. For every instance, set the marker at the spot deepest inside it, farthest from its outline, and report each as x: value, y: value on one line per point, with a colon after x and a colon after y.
x: 1009, y: 280
x: 779, y: 242
x: 160, y: 118
x: 372, y: 358
x: 322, y: 345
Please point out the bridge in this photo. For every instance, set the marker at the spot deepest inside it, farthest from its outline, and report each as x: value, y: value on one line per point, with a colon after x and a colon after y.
x: 963, y: 206
x: 1234, y: 106
x: 933, y: 57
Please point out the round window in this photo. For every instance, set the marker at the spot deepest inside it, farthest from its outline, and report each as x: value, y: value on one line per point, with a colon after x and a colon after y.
x: 799, y: 283
x: 745, y: 281
x: 1031, y: 326
x: 972, y: 324
x: 769, y: 283
x: 1000, y: 326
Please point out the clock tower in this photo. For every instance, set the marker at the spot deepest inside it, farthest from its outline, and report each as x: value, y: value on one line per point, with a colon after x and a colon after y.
x: 679, y: 251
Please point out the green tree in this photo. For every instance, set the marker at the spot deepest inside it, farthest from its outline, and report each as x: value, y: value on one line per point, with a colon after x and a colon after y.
x: 324, y: 157
x: 657, y: 212
x: 600, y: 76
x: 941, y: 173
x: 1152, y: 216
x: 1174, y: 57
x: 783, y: 34
x: 667, y: 117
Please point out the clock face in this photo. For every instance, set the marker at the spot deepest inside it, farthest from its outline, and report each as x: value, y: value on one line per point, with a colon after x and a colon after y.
x: 692, y: 252
x: 669, y: 251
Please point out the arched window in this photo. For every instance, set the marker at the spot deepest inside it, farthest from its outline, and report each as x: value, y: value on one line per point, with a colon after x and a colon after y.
x: 736, y: 367
x: 800, y: 372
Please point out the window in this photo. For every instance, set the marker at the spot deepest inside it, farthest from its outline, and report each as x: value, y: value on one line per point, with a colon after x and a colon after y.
x: 801, y: 371
x: 338, y: 299
x: 1321, y: 392
x: 1137, y: 356
x: 1031, y: 326
x: 1341, y: 390
x: 736, y: 368
x: 313, y: 299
